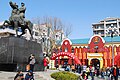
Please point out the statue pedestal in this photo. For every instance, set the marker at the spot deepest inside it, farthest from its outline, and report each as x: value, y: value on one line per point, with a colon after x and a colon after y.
x: 16, y: 51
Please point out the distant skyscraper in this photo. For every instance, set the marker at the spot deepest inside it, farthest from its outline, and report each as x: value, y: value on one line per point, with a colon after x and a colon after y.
x: 106, y: 27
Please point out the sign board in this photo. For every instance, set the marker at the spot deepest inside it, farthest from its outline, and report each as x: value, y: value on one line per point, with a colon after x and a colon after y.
x: 89, y: 55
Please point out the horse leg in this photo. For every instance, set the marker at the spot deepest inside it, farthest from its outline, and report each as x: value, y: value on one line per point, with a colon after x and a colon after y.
x: 30, y: 31
x: 5, y: 22
x: 29, y: 26
x: 17, y: 32
x: 4, y: 26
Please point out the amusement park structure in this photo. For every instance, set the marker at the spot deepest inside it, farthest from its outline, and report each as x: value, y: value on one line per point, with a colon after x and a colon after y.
x: 95, y: 51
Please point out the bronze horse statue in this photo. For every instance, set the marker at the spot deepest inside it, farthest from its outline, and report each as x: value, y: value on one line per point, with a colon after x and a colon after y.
x: 16, y: 24
x: 17, y: 19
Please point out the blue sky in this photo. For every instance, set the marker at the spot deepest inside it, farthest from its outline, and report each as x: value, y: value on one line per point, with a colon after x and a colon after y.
x: 80, y: 13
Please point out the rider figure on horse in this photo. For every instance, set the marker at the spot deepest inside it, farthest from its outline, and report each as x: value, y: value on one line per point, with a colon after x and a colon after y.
x: 17, y: 19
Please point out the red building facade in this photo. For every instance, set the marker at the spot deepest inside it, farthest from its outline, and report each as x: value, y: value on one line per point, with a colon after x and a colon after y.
x: 96, y: 52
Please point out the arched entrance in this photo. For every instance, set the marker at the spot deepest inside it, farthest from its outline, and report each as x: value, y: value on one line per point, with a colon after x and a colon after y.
x: 95, y: 62
x: 95, y: 57
x: 77, y: 61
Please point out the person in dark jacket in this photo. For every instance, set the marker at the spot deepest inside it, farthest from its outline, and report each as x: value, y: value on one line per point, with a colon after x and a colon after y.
x: 115, y: 72
x: 29, y: 76
x: 79, y: 68
x: 19, y: 75
x: 31, y: 61
x: 30, y: 58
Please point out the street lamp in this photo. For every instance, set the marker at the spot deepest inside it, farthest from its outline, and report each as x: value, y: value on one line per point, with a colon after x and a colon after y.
x: 112, y: 47
x: 43, y: 42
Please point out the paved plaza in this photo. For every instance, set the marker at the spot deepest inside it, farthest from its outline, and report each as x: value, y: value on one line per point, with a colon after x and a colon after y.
x: 40, y: 75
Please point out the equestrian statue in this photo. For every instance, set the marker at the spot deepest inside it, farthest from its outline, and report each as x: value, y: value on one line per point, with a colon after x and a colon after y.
x: 17, y: 19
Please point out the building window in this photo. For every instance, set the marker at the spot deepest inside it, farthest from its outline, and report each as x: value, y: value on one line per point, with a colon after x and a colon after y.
x: 96, y: 49
x: 72, y: 50
x: 36, y: 33
x: 60, y: 49
x: 102, y: 32
x: 110, y: 20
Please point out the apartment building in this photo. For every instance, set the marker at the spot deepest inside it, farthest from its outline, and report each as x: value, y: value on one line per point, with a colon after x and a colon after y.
x: 105, y: 27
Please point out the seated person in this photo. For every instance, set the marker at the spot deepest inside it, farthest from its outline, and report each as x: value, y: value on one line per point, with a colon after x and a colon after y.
x: 19, y: 76
x: 73, y: 68
x: 67, y: 68
x: 29, y: 75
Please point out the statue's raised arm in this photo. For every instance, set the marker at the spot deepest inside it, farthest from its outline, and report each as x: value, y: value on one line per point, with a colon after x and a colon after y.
x: 13, y: 5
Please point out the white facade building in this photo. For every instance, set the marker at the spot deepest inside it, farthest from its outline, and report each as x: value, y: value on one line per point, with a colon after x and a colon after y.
x: 43, y: 34
x: 44, y: 31
x: 106, y: 26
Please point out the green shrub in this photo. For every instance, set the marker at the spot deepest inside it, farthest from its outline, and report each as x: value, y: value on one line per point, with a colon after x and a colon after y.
x: 52, y: 68
x: 64, y: 76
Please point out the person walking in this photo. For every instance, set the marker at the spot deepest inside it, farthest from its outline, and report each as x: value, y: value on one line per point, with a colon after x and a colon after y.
x: 87, y: 71
x: 29, y: 58
x: 102, y: 73
x: 97, y: 71
x: 79, y: 68
x: 115, y: 73
x: 108, y: 72
x: 92, y: 72
x: 32, y: 62
x: 45, y: 63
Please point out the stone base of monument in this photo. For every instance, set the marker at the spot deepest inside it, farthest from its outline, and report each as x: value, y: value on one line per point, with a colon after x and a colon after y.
x: 7, y: 67
x: 14, y: 53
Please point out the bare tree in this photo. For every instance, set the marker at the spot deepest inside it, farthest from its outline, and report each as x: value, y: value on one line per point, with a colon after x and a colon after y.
x: 54, y: 25
x: 68, y: 30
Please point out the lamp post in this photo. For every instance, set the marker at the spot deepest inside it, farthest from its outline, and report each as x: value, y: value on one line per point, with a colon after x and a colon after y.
x: 43, y: 42
x: 112, y: 48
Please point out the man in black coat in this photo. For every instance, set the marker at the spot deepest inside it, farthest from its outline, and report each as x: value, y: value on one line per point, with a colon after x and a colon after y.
x: 115, y: 72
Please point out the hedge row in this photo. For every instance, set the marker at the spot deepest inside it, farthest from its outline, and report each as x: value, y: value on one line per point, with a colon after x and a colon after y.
x: 63, y: 75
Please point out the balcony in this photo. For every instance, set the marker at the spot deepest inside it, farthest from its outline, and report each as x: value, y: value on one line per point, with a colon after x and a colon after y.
x: 97, y: 29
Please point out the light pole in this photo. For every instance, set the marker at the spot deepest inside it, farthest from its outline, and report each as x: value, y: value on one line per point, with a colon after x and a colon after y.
x: 112, y: 48
x: 43, y: 42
